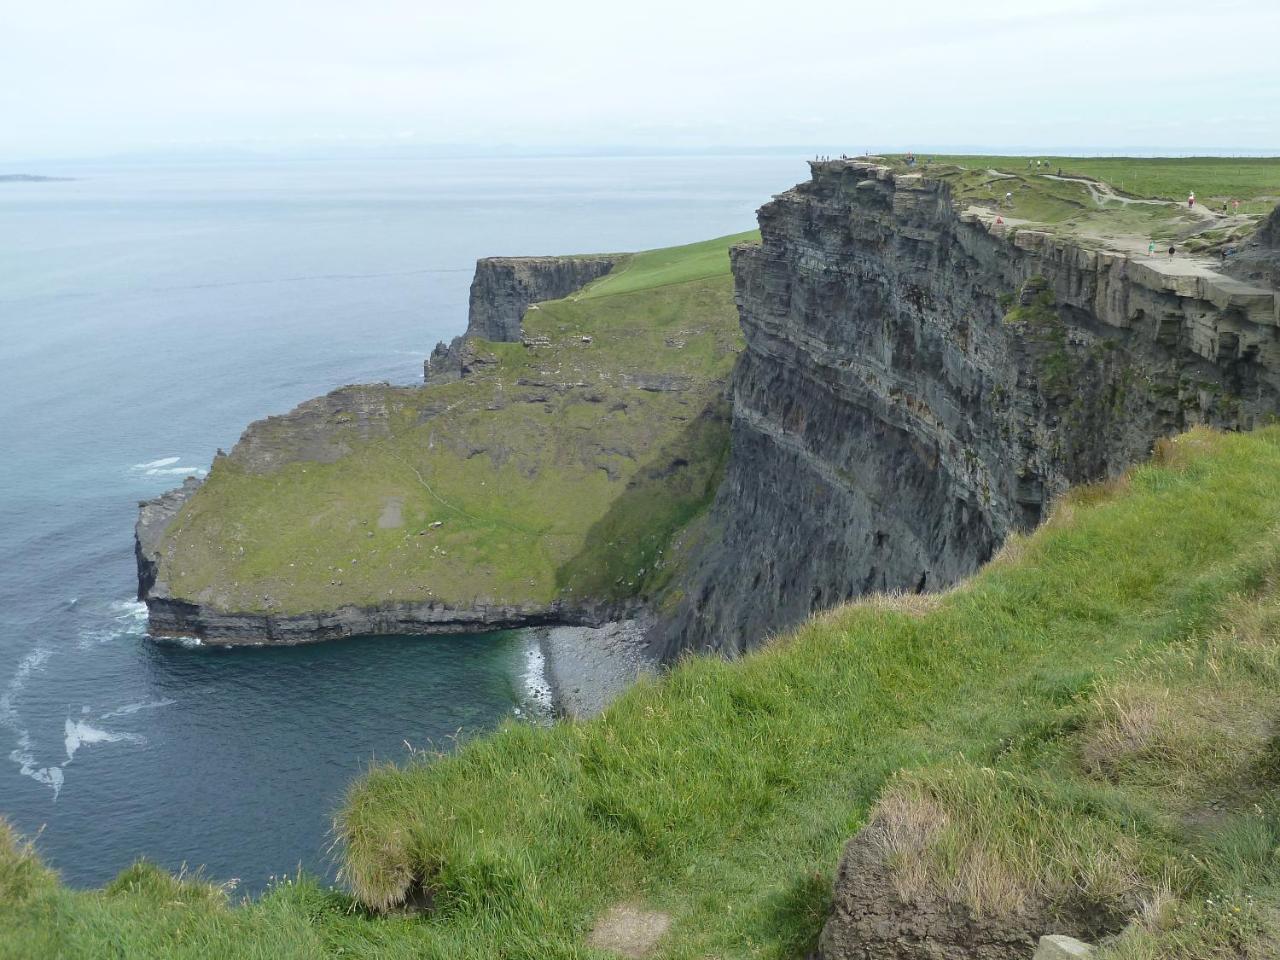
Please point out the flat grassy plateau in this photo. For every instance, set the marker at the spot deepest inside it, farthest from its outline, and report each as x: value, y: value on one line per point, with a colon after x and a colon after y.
x: 1120, y: 203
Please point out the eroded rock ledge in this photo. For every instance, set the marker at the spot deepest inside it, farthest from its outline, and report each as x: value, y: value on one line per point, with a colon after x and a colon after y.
x: 918, y: 383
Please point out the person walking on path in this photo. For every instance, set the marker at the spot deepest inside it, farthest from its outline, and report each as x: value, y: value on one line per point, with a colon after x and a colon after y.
x: 1191, y: 199
x: 1151, y: 249
x: 1171, y: 253
x: 1235, y: 206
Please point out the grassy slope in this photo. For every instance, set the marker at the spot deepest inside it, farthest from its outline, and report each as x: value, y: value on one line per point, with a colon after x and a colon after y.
x: 1092, y: 712
x: 520, y: 474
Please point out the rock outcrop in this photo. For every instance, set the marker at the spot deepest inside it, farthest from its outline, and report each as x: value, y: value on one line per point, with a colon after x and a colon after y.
x: 918, y: 383
x: 1259, y: 259
x: 154, y: 517
x: 871, y: 919
x: 502, y: 290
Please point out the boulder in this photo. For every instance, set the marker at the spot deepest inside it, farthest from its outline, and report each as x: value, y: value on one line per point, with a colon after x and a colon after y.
x: 1057, y: 947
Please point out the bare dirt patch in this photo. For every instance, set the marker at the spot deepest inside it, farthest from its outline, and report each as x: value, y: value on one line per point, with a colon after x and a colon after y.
x: 629, y: 931
x: 392, y: 513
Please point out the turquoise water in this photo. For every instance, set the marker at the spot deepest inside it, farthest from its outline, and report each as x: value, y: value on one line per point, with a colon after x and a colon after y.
x: 147, y: 313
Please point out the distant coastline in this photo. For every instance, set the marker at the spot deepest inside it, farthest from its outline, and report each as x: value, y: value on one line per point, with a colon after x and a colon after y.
x: 30, y: 178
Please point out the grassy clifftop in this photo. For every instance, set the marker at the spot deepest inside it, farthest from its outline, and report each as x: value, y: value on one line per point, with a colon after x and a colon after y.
x: 1119, y: 203
x: 1090, y: 717
x: 559, y: 469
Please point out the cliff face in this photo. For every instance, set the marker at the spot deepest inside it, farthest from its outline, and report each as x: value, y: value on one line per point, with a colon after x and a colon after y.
x: 1259, y: 260
x: 918, y: 383
x: 501, y: 291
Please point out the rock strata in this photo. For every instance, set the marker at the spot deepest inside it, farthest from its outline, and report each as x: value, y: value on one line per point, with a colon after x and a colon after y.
x: 918, y: 383
x: 502, y: 290
x: 170, y: 616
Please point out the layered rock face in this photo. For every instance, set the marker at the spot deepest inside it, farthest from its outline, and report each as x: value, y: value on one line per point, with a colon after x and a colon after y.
x: 917, y: 384
x: 1259, y: 260
x: 502, y: 290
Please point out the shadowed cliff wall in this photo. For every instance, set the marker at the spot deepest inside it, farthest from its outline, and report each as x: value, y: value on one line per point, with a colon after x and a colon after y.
x: 917, y: 384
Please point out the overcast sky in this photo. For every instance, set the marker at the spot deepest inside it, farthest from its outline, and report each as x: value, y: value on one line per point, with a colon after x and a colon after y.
x: 84, y: 77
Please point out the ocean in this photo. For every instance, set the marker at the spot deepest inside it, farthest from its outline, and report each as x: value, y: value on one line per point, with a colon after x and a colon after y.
x: 148, y: 312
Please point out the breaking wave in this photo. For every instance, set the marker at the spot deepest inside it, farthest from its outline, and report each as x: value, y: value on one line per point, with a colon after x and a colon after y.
x: 165, y: 467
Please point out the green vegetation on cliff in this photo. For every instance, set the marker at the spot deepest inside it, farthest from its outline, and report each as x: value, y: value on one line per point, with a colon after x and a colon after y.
x: 558, y: 469
x: 1090, y: 717
x: 1117, y: 202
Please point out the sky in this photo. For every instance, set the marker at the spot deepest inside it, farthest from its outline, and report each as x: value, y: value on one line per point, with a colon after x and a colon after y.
x: 96, y: 77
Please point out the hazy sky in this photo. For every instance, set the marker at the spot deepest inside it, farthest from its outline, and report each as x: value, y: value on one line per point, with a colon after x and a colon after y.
x: 96, y: 76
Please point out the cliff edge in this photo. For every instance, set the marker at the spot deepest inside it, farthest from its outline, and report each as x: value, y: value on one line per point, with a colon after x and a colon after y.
x: 922, y: 377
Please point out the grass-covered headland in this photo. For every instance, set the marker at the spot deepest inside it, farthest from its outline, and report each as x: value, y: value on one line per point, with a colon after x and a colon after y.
x: 561, y: 469
x: 1090, y: 717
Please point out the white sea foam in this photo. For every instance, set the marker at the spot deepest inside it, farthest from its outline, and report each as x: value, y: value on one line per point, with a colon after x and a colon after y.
x: 153, y: 464
x: 80, y: 734
x: 23, y: 753
x: 176, y: 472
x: 135, y: 707
x: 129, y: 610
x: 32, y: 662
x: 537, y: 699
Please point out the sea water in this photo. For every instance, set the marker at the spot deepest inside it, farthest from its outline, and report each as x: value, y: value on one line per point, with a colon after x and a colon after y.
x: 148, y: 312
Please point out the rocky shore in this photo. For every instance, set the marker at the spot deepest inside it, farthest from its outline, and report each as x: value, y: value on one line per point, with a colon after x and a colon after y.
x: 587, y: 667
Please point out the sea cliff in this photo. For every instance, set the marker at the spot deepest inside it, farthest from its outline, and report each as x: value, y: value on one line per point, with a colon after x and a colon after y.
x: 545, y: 482
x: 921, y: 380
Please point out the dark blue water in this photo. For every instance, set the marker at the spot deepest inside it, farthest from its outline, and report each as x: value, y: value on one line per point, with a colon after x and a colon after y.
x: 148, y: 313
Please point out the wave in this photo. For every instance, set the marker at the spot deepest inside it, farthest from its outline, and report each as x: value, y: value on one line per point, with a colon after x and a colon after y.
x: 153, y: 464
x: 129, y: 609
x: 130, y: 620
x: 176, y: 471
x: 537, y: 701
x: 135, y: 707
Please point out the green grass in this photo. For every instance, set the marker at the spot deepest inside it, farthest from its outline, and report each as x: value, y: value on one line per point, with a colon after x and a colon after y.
x: 518, y: 464
x: 1090, y: 716
x: 1070, y: 208
x: 1169, y: 178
